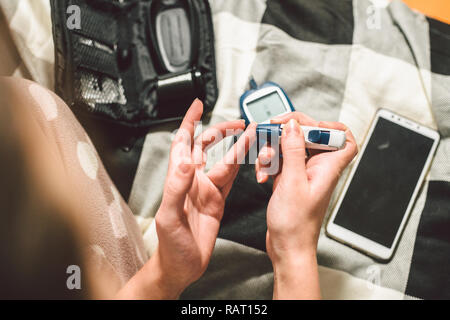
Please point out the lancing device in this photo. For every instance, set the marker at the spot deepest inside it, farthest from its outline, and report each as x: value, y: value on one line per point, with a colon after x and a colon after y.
x: 315, y: 138
x: 262, y: 103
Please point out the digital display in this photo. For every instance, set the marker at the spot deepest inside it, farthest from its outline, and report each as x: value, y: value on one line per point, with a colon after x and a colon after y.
x: 266, y: 107
x: 384, y: 182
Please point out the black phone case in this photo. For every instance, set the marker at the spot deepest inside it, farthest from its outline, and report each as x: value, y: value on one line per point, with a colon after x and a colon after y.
x: 112, y: 74
x: 113, y: 67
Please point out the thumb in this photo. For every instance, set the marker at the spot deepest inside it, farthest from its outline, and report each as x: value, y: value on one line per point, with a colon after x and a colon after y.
x: 178, y: 184
x: 293, y: 148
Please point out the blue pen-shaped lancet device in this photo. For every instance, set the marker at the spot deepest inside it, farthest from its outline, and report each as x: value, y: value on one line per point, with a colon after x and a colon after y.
x: 315, y: 137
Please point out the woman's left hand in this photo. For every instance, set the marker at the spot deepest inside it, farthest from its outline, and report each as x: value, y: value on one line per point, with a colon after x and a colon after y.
x: 188, y: 220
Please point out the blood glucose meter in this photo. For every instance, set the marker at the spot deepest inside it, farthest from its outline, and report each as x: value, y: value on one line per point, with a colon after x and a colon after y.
x: 262, y: 103
x: 265, y: 102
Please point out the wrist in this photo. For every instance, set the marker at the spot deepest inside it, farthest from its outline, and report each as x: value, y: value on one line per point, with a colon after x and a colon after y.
x: 167, y: 285
x: 151, y: 283
x: 290, y: 263
x: 297, y: 277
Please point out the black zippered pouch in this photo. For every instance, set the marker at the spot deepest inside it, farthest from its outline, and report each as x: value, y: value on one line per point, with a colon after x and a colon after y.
x: 136, y: 63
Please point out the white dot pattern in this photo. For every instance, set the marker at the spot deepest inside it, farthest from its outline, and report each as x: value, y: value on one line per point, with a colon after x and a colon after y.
x: 115, y: 215
x: 45, y: 101
x: 88, y: 159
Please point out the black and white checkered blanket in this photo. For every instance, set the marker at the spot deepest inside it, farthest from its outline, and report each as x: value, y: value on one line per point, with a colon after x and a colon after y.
x: 338, y: 60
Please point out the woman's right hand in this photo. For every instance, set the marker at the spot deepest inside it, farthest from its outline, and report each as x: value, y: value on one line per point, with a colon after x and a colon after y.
x: 301, y: 194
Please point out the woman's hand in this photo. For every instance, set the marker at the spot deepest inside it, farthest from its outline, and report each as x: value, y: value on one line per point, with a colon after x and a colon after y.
x: 188, y: 220
x: 301, y: 194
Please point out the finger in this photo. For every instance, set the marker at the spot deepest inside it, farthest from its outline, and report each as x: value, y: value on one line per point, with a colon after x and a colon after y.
x: 332, y: 164
x: 350, y: 150
x: 182, y: 144
x: 227, y: 188
x: 313, y: 152
x: 214, y: 135
x: 266, y: 155
x: 301, y: 118
x: 276, y: 181
x: 261, y: 176
x: 181, y: 171
x: 264, y: 163
x: 293, y: 148
x: 224, y: 171
x: 177, y: 186
x: 211, y: 136
x: 193, y: 115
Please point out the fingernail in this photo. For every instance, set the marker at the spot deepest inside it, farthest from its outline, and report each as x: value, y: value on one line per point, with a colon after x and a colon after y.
x: 277, y: 118
x: 259, y: 177
x: 292, y: 127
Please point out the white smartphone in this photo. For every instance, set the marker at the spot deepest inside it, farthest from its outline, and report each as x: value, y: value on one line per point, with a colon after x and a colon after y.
x: 378, y: 196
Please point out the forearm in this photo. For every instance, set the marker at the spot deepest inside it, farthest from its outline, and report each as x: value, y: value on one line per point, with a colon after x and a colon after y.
x: 297, y: 278
x: 150, y: 283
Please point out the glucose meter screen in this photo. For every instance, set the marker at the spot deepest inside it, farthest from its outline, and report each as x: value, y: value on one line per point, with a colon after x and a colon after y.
x: 266, y: 107
x: 384, y: 182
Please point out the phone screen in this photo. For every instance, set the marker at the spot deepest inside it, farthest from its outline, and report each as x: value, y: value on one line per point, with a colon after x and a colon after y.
x: 266, y: 107
x: 384, y: 182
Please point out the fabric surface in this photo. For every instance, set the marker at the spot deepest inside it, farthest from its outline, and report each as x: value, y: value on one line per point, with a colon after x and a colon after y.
x: 380, y: 54
x: 115, y: 245
x: 31, y: 28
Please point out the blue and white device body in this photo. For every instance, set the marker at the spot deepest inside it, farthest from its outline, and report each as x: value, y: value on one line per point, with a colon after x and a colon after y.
x: 262, y: 103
